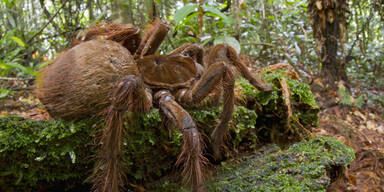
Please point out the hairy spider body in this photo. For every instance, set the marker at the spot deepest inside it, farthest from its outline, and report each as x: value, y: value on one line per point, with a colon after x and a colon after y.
x: 102, y: 77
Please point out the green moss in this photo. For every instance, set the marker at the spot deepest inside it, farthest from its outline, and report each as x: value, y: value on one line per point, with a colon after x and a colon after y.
x: 271, y: 108
x: 35, y: 153
x: 302, y: 167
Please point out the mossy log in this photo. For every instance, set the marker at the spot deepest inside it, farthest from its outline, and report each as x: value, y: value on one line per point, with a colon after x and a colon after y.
x: 38, y: 154
x: 306, y: 166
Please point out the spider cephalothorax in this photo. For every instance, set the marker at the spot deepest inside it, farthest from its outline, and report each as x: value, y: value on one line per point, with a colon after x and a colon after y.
x: 102, y: 77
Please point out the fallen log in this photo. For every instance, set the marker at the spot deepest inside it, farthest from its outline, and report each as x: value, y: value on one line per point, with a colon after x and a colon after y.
x: 43, y: 154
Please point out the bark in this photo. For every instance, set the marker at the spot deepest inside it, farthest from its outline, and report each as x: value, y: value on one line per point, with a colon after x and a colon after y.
x: 333, y: 68
x: 90, y: 9
x: 200, y: 16
x: 328, y: 19
x: 237, y: 23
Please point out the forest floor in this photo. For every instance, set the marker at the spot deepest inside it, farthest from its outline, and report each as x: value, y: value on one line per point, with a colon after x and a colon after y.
x: 361, y: 129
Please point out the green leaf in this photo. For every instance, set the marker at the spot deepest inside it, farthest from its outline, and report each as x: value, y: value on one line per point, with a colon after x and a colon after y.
x: 5, y: 173
x: 271, y: 17
x: 230, y: 41
x: 183, y: 12
x: 18, y: 41
x: 218, y: 13
x: 189, y: 17
x: 4, y: 93
x: 8, y: 3
x: 9, y: 65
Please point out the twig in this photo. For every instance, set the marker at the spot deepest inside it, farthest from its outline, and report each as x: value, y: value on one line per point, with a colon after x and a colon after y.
x: 21, y: 89
x: 15, y: 79
x: 46, y: 12
x: 46, y: 24
x: 358, y: 33
x: 259, y: 43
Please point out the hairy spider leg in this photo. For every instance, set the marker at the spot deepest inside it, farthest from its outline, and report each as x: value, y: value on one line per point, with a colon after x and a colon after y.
x: 153, y: 36
x: 191, y: 157
x: 190, y: 49
x: 216, y: 74
x: 128, y: 94
x: 224, y: 52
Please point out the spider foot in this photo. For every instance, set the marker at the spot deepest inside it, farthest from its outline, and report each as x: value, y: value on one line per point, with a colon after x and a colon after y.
x: 192, y: 160
x: 216, y: 145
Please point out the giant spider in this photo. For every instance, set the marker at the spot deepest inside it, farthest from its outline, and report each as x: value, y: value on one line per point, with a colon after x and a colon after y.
x: 101, y: 76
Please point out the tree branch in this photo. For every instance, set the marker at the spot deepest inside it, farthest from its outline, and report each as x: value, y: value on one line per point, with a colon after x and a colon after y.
x: 15, y: 79
x: 46, y: 12
x: 46, y: 24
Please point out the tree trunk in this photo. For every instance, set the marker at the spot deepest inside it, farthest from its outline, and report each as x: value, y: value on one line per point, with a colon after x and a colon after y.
x: 236, y: 12
x: 90, y: 10
x: 333, y: 69
x: 200, y: 17
x: 328, y: 19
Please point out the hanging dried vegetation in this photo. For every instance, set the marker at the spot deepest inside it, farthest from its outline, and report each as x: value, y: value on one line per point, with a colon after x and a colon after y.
x: 326, y: 14
x: 328, y: 19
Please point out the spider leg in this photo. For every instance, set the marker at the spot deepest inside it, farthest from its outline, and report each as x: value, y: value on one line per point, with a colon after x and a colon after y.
x: 190, y: 49
x: 224, y: 52
x: 216, y: 74
x: 191, y: 156
x: 154, y: 35
x: 128, y: 95
x: 194, y: 51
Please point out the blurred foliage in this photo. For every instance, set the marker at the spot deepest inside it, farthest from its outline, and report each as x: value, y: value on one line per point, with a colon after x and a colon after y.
x: 366, y: 42
x: 349, y: 100
x: 271, y: 31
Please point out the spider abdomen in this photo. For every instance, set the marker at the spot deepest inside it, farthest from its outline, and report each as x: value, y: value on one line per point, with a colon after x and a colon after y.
x: 79, y: 82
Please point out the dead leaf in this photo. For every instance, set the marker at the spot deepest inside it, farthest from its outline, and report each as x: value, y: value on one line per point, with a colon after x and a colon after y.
x: 359, y: 114
x: 3, y: 113
x: 349, y: 119
x: 361, y: 127
x: 138, y: 188
x: 371, y: 125
x: 323, y: 20
x: 337, y: 112
x: 319, y: 5
x: 330, y: 16
x: 352, y: 179
x: 318, y: 82
x: 332, y: 93
x: 381, y: 128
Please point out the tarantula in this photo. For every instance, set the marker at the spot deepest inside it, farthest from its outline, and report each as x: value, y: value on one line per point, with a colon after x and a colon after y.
x: 173, y: 82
